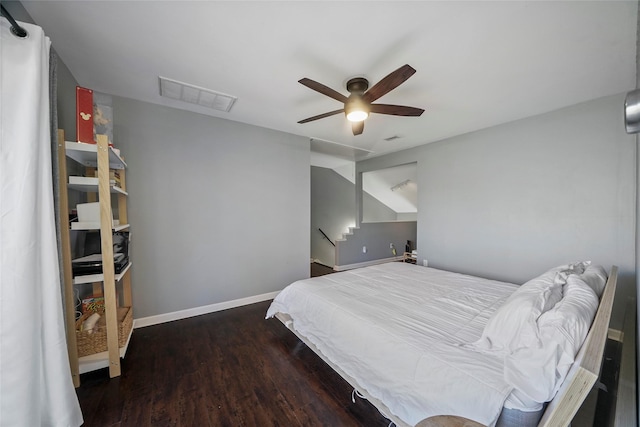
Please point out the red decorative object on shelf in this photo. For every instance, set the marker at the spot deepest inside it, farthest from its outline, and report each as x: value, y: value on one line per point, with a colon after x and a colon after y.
x: 84, y: 115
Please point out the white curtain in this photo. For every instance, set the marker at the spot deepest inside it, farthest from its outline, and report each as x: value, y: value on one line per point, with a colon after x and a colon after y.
x: 35, y: 381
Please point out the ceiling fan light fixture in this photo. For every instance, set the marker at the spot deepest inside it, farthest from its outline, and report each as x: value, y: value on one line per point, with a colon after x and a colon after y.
x: 357, y: 116
x: 356, y: 110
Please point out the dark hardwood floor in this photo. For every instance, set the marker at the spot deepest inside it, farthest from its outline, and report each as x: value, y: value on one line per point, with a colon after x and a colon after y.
x: 318, y: 269
x: 230, y: 368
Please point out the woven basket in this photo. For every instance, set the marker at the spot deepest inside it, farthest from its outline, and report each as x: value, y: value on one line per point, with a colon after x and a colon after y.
x: 96, y: 342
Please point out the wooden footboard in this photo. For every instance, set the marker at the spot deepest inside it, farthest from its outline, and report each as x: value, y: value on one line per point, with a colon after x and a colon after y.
x: 574, y: 390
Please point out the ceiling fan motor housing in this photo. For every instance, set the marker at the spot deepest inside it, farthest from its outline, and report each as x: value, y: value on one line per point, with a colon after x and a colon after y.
x: 356, y: 109
x: 357, y: 86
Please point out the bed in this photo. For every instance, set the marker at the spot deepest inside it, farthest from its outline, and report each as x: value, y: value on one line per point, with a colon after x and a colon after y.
x: 421, y: 343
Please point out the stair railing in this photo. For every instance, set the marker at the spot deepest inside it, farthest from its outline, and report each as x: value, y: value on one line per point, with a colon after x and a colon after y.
x: 327, y: 237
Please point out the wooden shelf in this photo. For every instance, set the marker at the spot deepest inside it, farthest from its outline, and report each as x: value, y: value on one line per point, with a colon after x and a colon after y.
x: 93, y: 278
x: 104, y: 159
x: 100, y: 360
x: 91, y: 186
x: 86, y: 154
x: 95, y: 226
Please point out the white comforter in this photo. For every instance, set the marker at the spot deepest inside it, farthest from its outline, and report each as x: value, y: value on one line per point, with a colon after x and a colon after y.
x: 397, y: 328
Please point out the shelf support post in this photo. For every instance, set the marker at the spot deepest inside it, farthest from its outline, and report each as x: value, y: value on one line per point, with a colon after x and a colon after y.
x: 108, y: 269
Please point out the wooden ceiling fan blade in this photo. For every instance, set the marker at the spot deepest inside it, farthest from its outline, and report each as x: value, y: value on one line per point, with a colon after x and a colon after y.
x: 322, y: 116
x: 396, y: 110
x: 389, y: 83
x: 319, y: 87
x: 357, y: 127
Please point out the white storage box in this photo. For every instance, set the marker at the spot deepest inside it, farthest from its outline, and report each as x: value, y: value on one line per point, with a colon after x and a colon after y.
x: 89, y: 212
x: 89, y: 217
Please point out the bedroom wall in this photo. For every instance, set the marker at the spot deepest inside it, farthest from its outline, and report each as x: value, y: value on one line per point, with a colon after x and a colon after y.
x: 511, y: 201
x: 374, y: 210
x: 219, y: 209
x: 66, y: 104
x: 376, y: 237
x: 333, y: 209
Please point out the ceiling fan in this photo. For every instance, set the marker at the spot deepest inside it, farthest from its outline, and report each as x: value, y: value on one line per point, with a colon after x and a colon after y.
x: 358, y: 105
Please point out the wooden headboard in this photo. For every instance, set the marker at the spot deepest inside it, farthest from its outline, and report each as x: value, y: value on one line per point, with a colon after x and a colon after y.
x: 586, y: 369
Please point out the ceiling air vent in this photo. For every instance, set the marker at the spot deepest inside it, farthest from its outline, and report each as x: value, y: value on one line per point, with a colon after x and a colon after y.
x: 196, y: 95
x: 391, y: 138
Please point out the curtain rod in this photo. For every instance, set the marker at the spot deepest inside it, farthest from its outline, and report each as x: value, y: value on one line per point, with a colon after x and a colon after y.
x: 15, y: 28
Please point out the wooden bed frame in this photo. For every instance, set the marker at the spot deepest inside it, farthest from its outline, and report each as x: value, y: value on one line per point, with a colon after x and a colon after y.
x: 560, y: 411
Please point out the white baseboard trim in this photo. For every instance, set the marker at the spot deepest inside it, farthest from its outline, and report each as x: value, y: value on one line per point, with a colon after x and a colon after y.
x: 197, y: 311
x: 366, y: 263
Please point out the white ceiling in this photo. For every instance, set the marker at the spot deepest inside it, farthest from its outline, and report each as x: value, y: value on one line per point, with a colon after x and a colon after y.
x: 478, y: 63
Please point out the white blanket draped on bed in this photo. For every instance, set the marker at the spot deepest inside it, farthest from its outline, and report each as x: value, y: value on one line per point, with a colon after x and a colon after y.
x: 397, y: 328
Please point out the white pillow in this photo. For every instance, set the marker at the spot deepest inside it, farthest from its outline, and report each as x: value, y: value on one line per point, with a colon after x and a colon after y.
x: 596, y: 277
x: 513, y: 325
x: 562, y: 330
x: 565, y: 271
x: 569, y: 321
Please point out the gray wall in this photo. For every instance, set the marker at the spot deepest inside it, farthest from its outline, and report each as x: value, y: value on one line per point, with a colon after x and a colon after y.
x: 511, y: 201
x: 333, y: 209
x: 377, y: 237
x: 374, y: 209
x: 66, y: 101
x: 219, y: 209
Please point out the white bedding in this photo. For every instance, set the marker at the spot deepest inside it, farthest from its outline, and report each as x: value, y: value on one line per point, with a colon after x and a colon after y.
x: 413, y: 361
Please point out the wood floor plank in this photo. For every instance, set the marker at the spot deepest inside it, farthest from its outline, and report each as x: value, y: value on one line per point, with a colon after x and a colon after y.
x: 230, y: 368
x: 138, y: 408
